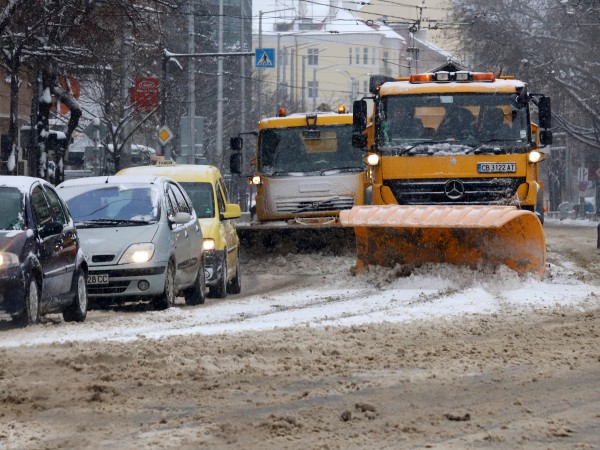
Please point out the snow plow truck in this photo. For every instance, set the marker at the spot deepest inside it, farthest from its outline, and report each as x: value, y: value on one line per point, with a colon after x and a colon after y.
x: 453, y: 168
x: 305, y: 171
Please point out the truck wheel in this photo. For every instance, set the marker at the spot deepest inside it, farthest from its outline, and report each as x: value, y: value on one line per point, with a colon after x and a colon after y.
x: 77, y: 311
x: 196, y: 295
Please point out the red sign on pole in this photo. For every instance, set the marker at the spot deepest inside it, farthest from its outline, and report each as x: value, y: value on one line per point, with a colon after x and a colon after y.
x: 145, y: 95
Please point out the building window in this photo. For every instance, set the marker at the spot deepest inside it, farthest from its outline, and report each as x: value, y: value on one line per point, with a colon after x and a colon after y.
x: 386, y: 56
x: 357, y: 55
x: 373, y: 50
x: 365, y: 87
x: 350, y: 56
x: 366, y: 55
x: 313, y: 56
x: 313, y: 89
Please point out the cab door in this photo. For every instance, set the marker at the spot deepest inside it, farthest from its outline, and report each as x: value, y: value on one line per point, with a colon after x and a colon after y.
x: 48, y: 244
x: 68, y: 244
x: 186, y: 237
x: 229, y: 229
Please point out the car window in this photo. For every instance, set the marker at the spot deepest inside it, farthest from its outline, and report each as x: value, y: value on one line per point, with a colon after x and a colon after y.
x: 11, y: 206
x: 220, y: 198
x: 202, y: 197
x: 171, y: 203
x: 56, y: 207
x: 182, y: 204
x: 40, y: 206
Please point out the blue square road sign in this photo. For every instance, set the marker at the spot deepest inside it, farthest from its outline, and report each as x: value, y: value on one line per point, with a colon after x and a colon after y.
x: 265, y: 58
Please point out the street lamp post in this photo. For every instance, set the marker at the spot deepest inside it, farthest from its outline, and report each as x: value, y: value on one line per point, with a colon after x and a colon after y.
x: 314, y: 84
x: 259, y: 90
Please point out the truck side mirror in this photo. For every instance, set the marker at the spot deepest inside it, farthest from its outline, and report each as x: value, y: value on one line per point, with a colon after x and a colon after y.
x: 545, y: 112
x: 545, y: 137
x: 236, y: 143
x: 235, y: 163
x: 359, y: 124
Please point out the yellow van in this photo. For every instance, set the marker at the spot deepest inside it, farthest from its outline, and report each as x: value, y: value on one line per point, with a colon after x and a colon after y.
x: 205, y: 186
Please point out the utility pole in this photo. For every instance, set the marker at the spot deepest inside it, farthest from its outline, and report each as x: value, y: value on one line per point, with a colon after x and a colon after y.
x: 219, y: 155
x: 127, y: 61
x: 259, y: 74
x: 189, y: 158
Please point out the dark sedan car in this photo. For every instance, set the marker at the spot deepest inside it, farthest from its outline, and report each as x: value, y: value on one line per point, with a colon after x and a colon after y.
x: 42, y: 268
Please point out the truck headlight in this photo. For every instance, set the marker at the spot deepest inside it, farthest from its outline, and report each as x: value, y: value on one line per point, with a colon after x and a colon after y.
x: 256, y: 180
x: 138, y: 253
x: 534, y: 156
x: 8, y: 260
x: 373, y: 159
x: 208, y: 244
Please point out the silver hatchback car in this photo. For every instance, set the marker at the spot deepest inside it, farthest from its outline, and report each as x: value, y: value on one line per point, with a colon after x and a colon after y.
x: 141, y: 239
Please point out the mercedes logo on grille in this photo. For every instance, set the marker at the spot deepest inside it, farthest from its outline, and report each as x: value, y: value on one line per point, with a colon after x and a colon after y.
x: 454, y: 189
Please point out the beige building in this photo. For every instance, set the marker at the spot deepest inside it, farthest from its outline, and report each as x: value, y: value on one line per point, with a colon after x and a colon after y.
x: 325, y: 52
x: 425, y: 24
x: 324, y: 55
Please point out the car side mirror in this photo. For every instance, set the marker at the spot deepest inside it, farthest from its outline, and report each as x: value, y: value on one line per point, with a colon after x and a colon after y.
x: 232, y: 211
x: 50, y: 229
x: 180, y: 217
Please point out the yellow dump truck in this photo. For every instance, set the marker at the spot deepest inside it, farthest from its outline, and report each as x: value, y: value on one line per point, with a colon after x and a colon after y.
x: 305, y: 172
x: 453, y: 168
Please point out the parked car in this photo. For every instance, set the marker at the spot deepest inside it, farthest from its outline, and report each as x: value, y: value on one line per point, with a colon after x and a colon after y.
x: 42, y: 268
x: 205, y: 186
x: 140, y: 237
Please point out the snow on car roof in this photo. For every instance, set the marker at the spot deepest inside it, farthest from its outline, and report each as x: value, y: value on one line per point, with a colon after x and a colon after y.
x: 111, y: 180
x: 20, y: 182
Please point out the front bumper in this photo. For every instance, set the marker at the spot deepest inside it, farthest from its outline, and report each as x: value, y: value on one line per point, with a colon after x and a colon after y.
x: 12, y: 290
x: 213, y: 267
x: 124, y: 281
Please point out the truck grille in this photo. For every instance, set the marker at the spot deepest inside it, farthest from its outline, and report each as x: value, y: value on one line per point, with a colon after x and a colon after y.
x: 458, y: 191
x: 309, y: 206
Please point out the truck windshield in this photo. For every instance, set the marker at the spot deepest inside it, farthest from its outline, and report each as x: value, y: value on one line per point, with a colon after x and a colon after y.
x: 454, y: 123
x: 299, y: 150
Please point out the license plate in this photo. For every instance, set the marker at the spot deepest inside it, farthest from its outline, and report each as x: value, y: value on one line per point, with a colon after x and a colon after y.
x: 496, y: 167
x: 97, y: 279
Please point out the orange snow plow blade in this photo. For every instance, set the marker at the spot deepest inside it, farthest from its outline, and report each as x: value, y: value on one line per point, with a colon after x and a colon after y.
x: 475, y: 236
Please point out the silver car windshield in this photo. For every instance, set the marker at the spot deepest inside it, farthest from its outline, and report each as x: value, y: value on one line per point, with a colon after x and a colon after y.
x: 120, y: 203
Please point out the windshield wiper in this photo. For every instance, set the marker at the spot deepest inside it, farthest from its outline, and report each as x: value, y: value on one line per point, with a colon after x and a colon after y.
x: 109, y: 222
x: 345, y: 169
x: 484, y: 148
x: 405, y: 150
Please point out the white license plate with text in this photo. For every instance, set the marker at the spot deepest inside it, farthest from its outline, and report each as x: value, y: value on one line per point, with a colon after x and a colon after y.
x: 101, y: 278
x: 496, y: 167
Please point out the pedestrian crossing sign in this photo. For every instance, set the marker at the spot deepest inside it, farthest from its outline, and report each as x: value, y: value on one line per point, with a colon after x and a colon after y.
x: 265, y: 58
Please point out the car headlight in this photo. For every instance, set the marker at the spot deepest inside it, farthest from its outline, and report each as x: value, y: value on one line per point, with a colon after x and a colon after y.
x: 8, y: 260
x: 138, y: 253
x: 256, y: 180
x: 534, y: 156
x: 208, y: 244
